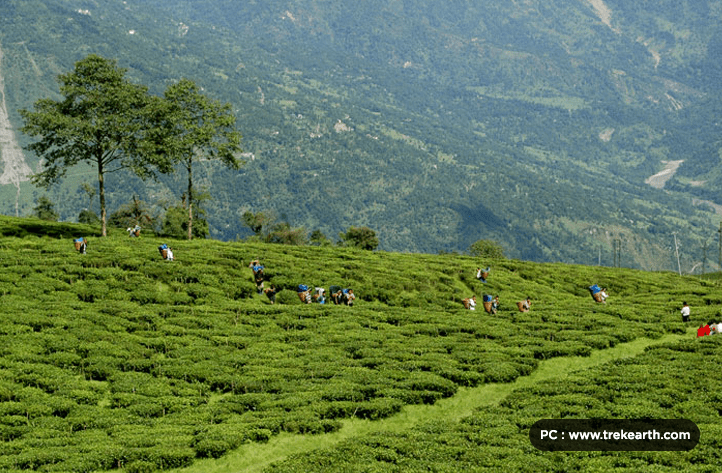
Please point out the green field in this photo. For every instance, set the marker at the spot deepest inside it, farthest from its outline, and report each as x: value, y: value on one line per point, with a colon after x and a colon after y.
x: 118, y: 360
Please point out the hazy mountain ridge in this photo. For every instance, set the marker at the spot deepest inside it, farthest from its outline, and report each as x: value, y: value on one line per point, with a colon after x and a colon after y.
x: 420, y: 118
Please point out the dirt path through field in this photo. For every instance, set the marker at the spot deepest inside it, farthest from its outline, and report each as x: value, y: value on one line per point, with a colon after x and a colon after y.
x: 255, y: 457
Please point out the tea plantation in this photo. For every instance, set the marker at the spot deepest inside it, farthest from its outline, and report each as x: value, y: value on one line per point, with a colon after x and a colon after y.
x: 670, y: 381
x: 117, y: 359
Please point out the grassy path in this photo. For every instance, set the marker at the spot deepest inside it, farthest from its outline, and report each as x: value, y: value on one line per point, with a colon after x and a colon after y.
x: 255, y: 457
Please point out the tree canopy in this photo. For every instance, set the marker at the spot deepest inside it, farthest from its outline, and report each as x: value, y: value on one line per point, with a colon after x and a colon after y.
x: 266, y: 228
x: 192, y: 126
x: 256, y: 221
x: 136, y: 212
x: 175, y: 223
x: 486, y: 249
x: 360, y: 237
x: 45, y: 210
x: 98, y: 121
x: 107, y: 122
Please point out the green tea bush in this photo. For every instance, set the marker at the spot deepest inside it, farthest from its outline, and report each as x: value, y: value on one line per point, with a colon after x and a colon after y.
x: 13, y: 409
x: 144, y: 295
x: 90, y: 291
x: 336, y: 409
x: 378, y: 408
x: 432, y: 387
x: 288, y: 296
x: 208, y: 448
x: 166, y: 457
x: 239, y: 290
x: 495, y: 438
x: 308, y: 424
x: 249, y: 401
x: 118, y: 347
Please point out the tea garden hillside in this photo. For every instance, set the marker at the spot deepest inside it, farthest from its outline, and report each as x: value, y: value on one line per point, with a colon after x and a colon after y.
x: 118, y: 359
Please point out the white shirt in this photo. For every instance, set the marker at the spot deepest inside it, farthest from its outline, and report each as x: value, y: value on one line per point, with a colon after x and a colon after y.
x: 685, y: 310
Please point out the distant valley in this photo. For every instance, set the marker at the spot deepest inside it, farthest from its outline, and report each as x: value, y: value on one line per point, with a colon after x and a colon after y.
x: 547, y: 127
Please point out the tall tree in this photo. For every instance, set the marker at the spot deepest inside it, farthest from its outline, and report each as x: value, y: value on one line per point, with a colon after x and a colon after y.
x: 98, y: 121
x: 487, y: 249
x: 45, y: 210
x: 360, y: 237
x: 193, y: 127
x: 284, y: 234
x: 257, y: 222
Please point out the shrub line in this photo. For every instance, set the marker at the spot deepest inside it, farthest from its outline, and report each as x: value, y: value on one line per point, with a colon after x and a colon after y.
x: 254, y: 457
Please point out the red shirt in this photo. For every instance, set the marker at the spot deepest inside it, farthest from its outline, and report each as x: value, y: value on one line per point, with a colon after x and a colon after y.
x: 702, y: 331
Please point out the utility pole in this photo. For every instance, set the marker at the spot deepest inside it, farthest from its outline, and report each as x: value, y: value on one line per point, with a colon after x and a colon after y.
x: 676, y: 252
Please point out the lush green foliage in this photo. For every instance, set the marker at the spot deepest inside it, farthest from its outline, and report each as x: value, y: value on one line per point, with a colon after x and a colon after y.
x: 318, y: 238
x: 437, y: 123
x: 106, y: 121
x: 131, y: 214
x: 360, y: 237
x: 45, y: 210
x: 256, y: 221
x: 97, y: 122
x: 118, y: 359
x: 89, y: 217
x: 486, y: 249
x: 190, y: 126
x: 267, y: 229
x: 666, y: 382
x: 175, y: 223
x: 284, y: 234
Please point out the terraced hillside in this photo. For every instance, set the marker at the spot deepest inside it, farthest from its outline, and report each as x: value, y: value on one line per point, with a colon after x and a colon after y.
x: 117, y: 359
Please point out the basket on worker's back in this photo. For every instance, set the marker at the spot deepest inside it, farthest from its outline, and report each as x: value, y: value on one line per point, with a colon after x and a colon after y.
x: 487, y: 303
x: 596, y: 292
x: 304, y: 293
x: 79, y: 242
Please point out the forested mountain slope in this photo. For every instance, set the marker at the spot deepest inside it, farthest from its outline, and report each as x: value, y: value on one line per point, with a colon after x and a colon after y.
x: 435, y: 123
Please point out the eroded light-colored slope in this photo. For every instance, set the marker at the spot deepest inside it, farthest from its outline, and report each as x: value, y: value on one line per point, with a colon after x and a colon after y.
x: 15, y: 169
x: 660, y: 179
x: 603, y: 12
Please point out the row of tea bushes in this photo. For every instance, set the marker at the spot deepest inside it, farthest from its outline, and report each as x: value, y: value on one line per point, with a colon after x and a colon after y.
x: 671, y: 381
x: 96, y: 348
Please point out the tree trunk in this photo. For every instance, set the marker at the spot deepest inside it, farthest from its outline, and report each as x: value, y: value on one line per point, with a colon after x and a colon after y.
x: 101, y: 194
x: 190, y: 201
